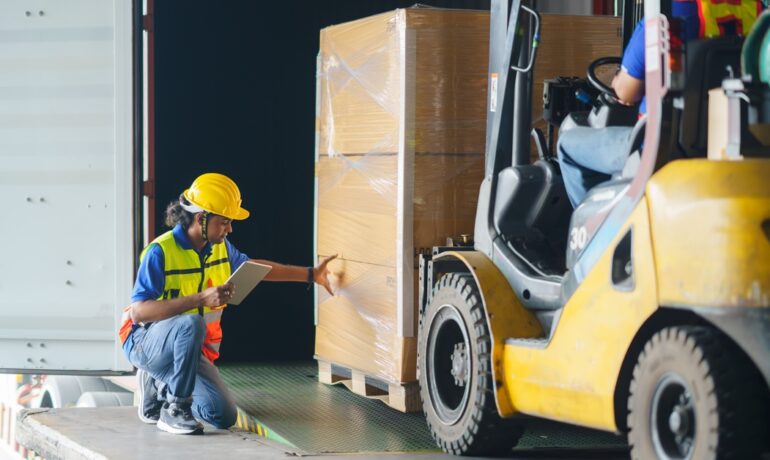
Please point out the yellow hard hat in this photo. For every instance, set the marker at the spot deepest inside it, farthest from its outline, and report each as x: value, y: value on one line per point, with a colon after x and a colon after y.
x: 217, y: 194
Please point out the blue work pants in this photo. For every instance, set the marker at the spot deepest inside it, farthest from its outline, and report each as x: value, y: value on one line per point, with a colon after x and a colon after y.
x: 170, y: 351
x: 590, y: 156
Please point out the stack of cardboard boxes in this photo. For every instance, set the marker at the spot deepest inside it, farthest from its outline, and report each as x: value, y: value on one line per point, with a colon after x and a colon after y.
x: 401, y: 122
x: 401, y: 129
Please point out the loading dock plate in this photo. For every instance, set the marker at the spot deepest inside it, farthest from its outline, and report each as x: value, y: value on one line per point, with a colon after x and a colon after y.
x: 286, y: 403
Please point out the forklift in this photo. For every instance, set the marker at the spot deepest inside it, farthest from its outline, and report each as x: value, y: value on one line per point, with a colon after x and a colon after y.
x: 645, y: 310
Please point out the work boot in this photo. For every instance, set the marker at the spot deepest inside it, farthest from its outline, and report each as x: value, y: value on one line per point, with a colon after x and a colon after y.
x: 149, y: 405
x: 176, y: 417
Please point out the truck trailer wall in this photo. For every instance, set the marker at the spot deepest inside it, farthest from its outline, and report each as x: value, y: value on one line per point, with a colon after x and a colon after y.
x: 66, y: 178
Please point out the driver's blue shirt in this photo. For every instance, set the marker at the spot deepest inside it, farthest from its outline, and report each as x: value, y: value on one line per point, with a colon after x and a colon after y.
x: 633, y: 57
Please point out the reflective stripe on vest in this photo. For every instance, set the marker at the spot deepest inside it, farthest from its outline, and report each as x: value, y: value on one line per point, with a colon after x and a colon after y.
x: 126, y: 326
x: 186, y: 274
x: 727, y: 17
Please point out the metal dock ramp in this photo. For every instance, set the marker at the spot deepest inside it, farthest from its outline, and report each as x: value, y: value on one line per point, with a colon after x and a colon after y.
x: 287, y: 404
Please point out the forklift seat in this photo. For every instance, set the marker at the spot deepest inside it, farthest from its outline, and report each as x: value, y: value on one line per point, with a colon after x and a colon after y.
x: 706, y: 66
x: 531, y: 213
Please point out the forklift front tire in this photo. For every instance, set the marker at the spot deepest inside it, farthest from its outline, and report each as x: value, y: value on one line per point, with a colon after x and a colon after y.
x: 455, y: 372
x: 695, y: 395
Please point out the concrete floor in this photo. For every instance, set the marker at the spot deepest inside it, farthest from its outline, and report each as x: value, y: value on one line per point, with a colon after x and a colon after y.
x: 116, y: 433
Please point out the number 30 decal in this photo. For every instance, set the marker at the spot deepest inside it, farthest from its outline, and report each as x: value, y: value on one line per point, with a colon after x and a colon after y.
x: 578, y: 238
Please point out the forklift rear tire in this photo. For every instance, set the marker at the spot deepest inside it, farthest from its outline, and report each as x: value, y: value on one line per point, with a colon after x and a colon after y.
x: 455, y: 372
x: 695, y: 395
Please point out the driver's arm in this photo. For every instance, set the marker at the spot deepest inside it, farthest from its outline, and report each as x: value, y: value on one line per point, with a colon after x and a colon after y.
x: 628, y: 89
x: 629, y: 82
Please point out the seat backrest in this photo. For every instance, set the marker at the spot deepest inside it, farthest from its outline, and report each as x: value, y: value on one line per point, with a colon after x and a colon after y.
x: 706, y: 66
x: 532, y: 213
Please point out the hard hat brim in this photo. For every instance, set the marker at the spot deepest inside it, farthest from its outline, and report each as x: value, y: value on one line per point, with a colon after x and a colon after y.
x: 240, y: 214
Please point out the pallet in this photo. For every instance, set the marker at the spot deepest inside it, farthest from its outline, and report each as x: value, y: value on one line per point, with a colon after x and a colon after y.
x: 404, y: 397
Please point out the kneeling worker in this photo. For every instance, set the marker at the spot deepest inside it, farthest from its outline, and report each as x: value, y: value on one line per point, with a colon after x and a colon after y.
x: 171, y: 331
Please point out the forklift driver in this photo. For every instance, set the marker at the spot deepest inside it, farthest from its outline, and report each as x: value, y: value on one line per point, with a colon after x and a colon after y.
x: 171, y: 331
x: 590, y: 156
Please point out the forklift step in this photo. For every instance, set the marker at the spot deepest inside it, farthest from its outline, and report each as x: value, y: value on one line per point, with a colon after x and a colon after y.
x: 404, y: 397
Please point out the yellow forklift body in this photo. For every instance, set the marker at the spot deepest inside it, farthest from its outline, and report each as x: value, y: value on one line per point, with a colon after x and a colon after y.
x: 711, y: 224
x: 573, y: 377
x: 506, y: 316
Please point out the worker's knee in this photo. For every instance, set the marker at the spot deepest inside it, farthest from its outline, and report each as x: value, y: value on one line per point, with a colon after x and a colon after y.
x: 226, y: 419
x: 216, y: 412
x: 564, y: 146
x: 192, y: 326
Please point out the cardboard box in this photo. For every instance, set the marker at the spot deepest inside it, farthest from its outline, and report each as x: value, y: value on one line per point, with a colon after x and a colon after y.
x: 423, y: 70
x: 357, y: 327
x: 358, y: 211
x: 401, y: 130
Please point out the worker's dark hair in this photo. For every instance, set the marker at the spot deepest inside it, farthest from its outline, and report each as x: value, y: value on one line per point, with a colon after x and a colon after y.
x: 176, y: 214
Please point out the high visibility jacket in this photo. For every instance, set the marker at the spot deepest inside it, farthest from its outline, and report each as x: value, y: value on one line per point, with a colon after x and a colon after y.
x: 186, y: 272
x: 727, y: 17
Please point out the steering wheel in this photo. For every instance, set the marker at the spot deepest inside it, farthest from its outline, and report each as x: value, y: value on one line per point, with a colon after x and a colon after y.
x: 595, y: 81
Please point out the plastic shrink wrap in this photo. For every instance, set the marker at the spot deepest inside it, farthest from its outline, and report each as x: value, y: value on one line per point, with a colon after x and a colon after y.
x: 401, y: 110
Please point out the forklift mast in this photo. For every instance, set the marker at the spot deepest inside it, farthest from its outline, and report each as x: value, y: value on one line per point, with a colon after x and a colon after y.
x: 504, y: 49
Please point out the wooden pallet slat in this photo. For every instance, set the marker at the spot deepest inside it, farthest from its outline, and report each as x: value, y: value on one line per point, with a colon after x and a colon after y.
x: 404, y: 397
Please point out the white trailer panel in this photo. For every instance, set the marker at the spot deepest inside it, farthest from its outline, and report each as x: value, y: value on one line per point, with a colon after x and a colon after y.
x: 66, y: 180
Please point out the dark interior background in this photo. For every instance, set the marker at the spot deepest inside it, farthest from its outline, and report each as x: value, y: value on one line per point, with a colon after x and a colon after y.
x: 235, y: 93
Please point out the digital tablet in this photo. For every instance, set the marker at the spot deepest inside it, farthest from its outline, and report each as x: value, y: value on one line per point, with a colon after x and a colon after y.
x: 246, y: 278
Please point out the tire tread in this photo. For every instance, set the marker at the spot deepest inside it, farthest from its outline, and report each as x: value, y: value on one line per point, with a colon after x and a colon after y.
x: 486, y: 433
x: 741, y: 395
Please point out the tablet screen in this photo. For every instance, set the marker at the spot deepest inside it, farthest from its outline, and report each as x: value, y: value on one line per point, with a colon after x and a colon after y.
x: 246, y: 278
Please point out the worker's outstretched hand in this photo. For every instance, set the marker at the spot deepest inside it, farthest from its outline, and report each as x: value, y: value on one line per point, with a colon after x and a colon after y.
x: 320, y: 274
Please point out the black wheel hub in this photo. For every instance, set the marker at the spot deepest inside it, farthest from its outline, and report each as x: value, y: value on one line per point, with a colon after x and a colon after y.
x: 673, y: 418
x: 448, y: 347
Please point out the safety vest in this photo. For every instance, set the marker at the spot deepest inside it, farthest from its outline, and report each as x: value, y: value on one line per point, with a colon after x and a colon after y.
x: 186, y: 273
x: 727, y: 17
